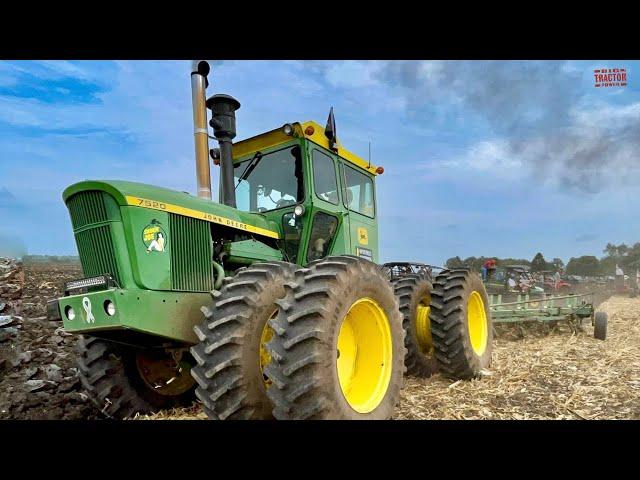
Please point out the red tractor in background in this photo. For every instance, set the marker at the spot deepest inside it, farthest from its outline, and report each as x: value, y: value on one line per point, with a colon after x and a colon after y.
x: 552, y: 284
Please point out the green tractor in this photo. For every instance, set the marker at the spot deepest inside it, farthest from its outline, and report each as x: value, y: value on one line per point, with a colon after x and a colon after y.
x: 268, y: 303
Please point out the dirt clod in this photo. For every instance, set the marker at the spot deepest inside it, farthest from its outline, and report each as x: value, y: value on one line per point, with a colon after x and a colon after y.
x: 39, y: 379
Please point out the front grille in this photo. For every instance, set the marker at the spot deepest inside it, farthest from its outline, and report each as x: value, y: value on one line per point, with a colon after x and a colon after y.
x: 190, y: 241
x: 97, y: 256
x: 86, y: 208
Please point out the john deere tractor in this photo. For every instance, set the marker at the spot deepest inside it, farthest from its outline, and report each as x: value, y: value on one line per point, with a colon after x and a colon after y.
x: 267, y: 303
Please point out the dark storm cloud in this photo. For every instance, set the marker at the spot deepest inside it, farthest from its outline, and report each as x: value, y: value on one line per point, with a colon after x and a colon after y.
x: 530, y: 104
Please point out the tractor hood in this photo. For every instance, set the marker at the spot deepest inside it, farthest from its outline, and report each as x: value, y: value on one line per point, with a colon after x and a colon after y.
x: 182, y: 203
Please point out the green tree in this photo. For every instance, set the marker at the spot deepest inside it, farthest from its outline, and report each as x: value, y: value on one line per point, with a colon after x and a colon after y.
x: 538, y: 263
x: 454, y: 262
x: 587, y: 265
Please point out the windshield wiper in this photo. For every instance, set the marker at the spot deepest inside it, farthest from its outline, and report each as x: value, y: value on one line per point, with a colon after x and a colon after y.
x: 249, y: 168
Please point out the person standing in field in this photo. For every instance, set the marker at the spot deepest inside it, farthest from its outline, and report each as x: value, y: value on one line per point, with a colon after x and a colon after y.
x: 556, y: 280
x: 488, y: 265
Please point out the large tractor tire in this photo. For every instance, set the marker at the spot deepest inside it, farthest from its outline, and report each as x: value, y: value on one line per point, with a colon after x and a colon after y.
x: 122, y: 381
x: 231, y: 355
x: 461, y: 325
x: 338, y: 349
x: 414, y: 297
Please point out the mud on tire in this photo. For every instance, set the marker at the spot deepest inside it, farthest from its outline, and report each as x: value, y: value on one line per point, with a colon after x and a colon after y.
x: 411, y: 290
x: 109, y: 375
x: 454, y: 293
x: 306, y: 357
x: 231, y: 384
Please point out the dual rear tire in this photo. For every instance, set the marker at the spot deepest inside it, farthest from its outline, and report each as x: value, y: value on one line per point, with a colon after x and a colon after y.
x: 448, y: 324
x: 461, y: 325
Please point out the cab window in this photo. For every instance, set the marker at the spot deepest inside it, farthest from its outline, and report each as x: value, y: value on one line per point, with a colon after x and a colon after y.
x: 322, y: 233
x: 324, y: 177
x: 358, y: 194
x: 270, y: 181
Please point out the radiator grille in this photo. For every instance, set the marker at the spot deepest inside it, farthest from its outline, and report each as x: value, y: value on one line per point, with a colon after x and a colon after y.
x: 190, y: 241
x: 86, y: 208
x: 95, y: 247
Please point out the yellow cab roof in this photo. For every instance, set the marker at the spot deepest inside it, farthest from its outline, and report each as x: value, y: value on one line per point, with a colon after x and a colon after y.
x: 277, y: 136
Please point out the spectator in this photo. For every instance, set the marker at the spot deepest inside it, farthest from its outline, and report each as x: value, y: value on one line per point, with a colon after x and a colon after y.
x: 488, y: 265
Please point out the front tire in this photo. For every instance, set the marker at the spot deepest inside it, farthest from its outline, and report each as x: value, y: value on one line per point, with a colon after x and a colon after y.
x: 231, y: 355
x: 461, y: 325
x: 339, y: 345
x: 118, y: 382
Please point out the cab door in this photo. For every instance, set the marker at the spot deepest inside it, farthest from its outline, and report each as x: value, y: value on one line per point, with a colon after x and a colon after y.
x: 328, y: 233
x: 358, y: 199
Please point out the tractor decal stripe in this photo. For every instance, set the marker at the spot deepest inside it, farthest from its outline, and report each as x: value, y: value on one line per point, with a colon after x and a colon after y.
x: 188, y: 212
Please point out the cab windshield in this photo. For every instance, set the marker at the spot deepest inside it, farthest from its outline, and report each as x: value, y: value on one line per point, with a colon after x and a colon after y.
x: 269, y: 181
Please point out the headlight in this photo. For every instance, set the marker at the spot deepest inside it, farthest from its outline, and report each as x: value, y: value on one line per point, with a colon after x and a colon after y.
x: 68, y: 311
x: 110, y: 308
x: 298, y: 210
x: 288, y: 129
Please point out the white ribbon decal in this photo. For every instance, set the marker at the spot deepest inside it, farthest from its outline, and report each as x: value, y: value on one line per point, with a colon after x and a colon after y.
x: 86, y: 304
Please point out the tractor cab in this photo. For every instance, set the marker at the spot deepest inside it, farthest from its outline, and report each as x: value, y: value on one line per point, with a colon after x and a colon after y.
x: 321, y: 197
x: 511, y: 278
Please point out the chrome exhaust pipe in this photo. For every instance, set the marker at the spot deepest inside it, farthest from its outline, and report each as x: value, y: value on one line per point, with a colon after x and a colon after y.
x: 199, y: 83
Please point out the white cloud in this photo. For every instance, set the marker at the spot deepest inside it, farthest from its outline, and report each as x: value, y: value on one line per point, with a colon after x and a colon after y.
x: 491, y: 157
x: 64, y: 68
x: 605, y: 116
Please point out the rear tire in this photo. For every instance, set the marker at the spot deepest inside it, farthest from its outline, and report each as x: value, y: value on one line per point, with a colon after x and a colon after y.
x: 231, y: 383
x: 338, y: 307
x: 111, y: 379
x: 600, y: 326
x: 461, y: 325
x: 413, y: 292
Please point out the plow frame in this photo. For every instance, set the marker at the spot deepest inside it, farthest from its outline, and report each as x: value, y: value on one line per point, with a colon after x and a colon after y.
x: 548, y: 308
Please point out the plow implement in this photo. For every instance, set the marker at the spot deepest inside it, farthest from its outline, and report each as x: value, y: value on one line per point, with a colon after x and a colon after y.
x: 574, y: 309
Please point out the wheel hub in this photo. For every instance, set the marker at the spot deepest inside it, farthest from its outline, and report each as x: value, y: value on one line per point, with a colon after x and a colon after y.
x: 423, y: 328
x: 477, y: 321
x: 364, y: 355
x: 265, y: 357
x: 163, y: 374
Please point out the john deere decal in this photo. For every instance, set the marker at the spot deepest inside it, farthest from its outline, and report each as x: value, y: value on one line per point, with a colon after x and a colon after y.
x: 154, y: 237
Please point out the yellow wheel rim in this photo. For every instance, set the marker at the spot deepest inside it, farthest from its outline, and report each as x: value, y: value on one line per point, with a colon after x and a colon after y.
x: 423, y: 328
x: 477, y: 320
x: 265, y: 357
x: 365, y: 353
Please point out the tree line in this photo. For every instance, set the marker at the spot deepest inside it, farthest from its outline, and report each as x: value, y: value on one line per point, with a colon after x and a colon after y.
x: 50, y: 259
x: 626, y: 257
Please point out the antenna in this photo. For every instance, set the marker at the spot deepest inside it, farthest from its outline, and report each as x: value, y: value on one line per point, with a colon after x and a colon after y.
x: 369, y: 166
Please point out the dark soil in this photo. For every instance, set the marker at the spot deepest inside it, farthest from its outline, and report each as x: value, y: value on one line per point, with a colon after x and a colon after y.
x: 38, y: 376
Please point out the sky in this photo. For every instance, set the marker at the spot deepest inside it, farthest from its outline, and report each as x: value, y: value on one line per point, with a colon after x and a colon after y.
x: 492, y: 158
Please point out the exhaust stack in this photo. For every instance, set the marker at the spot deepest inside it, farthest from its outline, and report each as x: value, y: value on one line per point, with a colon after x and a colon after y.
x: 199, y: 83
x: 223, y: 121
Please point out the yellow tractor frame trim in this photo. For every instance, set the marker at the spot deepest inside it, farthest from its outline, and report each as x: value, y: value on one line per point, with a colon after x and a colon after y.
x: 276, y: 137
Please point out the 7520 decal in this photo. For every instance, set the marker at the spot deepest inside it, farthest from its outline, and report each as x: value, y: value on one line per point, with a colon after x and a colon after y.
x: 151, y: 204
